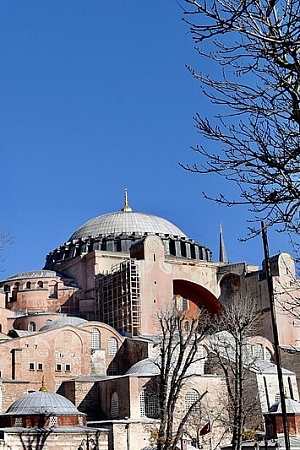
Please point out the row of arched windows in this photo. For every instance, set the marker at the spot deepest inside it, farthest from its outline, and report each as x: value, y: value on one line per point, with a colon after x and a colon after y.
x: 149, y: 403
x: 112, y: 343
x: 28, y: 285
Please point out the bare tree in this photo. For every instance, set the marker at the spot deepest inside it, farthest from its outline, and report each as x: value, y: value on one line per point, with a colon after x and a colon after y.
x: 233, y: 327
x: 253, y: 136
x: 212, y: 419
x: 180, y: 338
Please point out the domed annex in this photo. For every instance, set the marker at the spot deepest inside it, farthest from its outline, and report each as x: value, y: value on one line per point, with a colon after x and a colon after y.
x: 47, y: 420
x: 42, y: 402
x: 117, y: 231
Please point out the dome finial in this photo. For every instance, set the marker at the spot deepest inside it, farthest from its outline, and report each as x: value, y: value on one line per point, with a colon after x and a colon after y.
x: 43, y: 387
x: 126, y: 207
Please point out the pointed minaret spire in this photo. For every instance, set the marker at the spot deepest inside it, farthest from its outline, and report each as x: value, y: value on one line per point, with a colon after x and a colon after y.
x: 126, y: 207
x: 222, y: 250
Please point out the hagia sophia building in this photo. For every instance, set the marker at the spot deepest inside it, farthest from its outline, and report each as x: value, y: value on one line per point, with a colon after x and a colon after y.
x: 85, y: 322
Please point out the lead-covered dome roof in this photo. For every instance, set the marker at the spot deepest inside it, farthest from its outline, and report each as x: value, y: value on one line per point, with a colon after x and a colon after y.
x: 68, y: 320
x: 128, y: 222
x: 42, y: 402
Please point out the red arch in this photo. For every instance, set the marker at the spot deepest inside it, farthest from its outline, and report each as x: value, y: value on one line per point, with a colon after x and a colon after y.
x: 197, y: 294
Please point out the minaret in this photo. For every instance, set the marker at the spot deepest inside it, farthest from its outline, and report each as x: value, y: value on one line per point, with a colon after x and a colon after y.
x: 126, y: 207
x: 222, y: 250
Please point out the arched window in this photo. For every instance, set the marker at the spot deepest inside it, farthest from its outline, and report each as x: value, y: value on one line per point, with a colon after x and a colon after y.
x: 181, y: 303
x: 112, y: 345
x: 53, y: 289
x: 187, y: 326
x: 191, y: 398
x: 31, y: 326
x: 148, y: 403
x: 114, y: 406
x: 40, y: 284
x: 15, y: 291
x: 28, y: 285
x: 95, y: 344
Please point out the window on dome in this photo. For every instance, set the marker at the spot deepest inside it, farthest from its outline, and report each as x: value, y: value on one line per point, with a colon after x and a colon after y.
x: 18, y: 421
x: 28, y: 285
x: 40, y: 284
x: 31, y: 326
x: 53, y: 290
x: 53, y: 421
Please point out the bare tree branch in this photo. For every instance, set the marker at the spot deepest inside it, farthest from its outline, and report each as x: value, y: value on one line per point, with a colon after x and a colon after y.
x: 253, y: 136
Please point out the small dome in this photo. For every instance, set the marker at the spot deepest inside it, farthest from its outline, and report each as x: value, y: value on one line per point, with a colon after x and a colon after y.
x: 146, y: 366
x: 126, y: 222
x: 68, y: 320
x: 150, y: 367
x: 292, y: 407
x: 42, y: 403
x: 33, y: 274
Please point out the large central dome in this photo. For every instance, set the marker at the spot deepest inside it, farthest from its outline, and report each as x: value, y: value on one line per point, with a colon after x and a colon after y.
x: 117, y: 231
x: 127, y: 222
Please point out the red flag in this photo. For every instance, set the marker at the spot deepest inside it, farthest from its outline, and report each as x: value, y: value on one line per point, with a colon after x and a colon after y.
x: 206, y: 429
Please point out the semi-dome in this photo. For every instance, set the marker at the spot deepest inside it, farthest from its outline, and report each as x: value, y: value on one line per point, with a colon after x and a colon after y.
x: 128, y: 222
x: 42, y: 402
x: 148, y: 366
x: 292, y: 407
x: 68, y: 320
x: 33, y: 274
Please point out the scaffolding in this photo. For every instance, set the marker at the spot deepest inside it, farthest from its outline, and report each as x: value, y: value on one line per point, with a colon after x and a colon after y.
x: 118, y: 298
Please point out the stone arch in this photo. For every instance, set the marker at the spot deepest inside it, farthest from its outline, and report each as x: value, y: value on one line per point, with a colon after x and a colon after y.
x: 66, y: 338
x: 197, y: 294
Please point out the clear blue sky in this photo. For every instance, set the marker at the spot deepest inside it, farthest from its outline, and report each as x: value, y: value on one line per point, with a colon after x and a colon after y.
x: 95, y: 97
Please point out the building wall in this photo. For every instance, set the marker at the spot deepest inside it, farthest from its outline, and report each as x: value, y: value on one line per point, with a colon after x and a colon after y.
x: 18, y: 440
x: 57, y: 354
